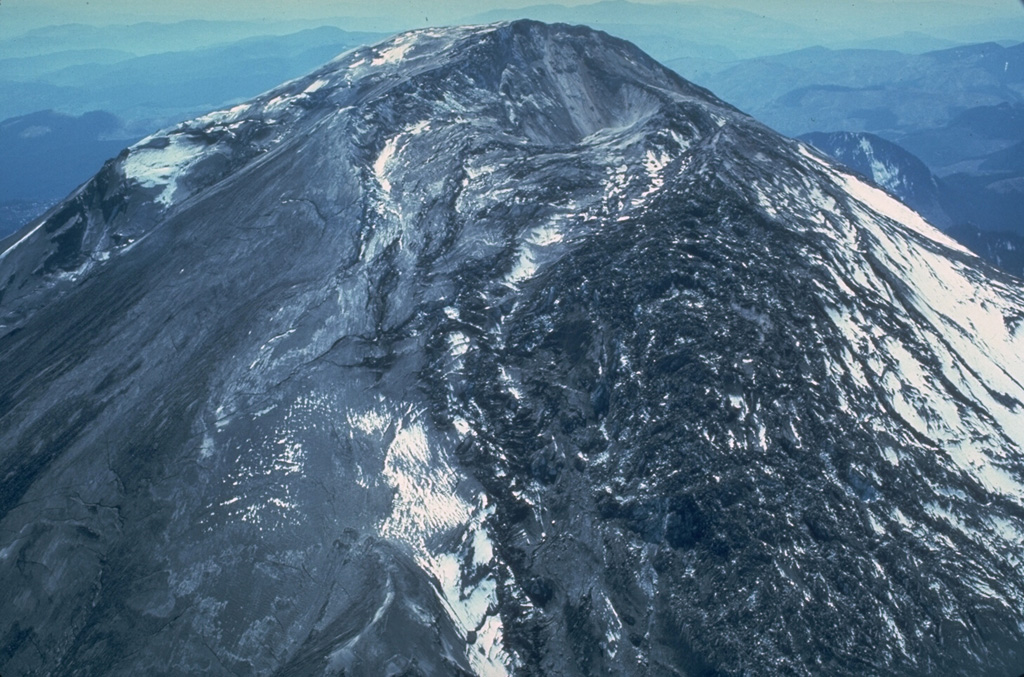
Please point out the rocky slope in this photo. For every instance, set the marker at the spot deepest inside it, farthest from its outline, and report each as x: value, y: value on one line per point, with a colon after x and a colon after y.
x: 502, y: 350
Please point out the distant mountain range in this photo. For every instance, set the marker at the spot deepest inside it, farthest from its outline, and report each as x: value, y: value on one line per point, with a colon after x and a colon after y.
x: 158, y: 88
x: 744, y: 29
x: 142, y: 38
x: 889, y: 93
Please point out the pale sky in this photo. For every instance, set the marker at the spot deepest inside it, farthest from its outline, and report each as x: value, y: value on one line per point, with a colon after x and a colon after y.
x: 864, y: 15
x: 102, y: 11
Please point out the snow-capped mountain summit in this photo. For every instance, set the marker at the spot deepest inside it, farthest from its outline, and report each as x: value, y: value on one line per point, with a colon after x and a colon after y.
x: 503, y: 350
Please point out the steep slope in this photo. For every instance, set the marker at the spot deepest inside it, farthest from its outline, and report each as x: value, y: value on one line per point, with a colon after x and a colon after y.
x: 959, y: 204
x: 889, y: 166
x: 503, y: 350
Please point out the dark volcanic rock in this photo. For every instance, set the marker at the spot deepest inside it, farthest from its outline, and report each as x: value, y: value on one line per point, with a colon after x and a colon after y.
x: 502, y: 350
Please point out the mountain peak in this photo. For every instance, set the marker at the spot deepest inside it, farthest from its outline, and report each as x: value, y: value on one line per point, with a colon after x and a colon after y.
x: 538, y: 84
x: 503, y: 350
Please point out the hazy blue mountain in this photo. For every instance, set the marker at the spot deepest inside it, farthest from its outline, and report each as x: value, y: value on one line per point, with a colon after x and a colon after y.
x: 167, y: 86
x: 910, y: 42
x: 673, y: 30
x: 22, y: 98
x: 1009, y: 159
x: 885, y: 92
x: 980, y: 157
x: 140, y: 38
x: 748, y: 29
x: 499, y: 351
x: 990, y: 200
x: 970, y: 138
x: 45, y: 155
x: 31, y: 68
x: 1003, y: 249
x: 856, y: 25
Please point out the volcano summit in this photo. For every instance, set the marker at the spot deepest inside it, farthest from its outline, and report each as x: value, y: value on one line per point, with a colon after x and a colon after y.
x: 503, y: 350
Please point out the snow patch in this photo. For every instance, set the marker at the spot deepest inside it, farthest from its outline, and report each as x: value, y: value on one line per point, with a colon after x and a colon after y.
x: 153, y: 167
x: 428, y: 503
x: 316, y: 86
x: 459, y: 344
x: 536, y: 239
x: 655, y: 162
x: 426, y: 499
x: 461, y: 425
x: 207, y: 448
x: 381, y: 163
x: 545, y: 235
x: 391, y: 148
x: 276, y: 103
x: 524, y: 268
x: 291, y: 456
x: 223, y: 117
x: 370, y: 422
x: 418, y: 128
x: 396, y: 52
